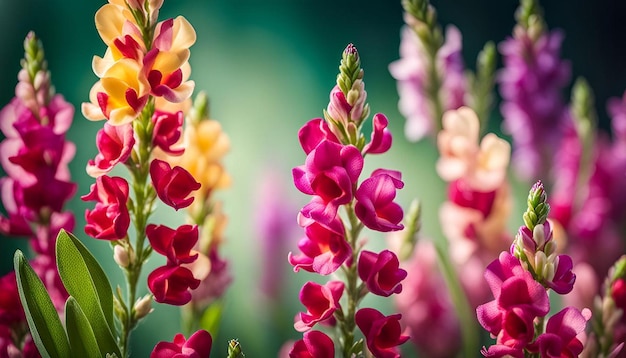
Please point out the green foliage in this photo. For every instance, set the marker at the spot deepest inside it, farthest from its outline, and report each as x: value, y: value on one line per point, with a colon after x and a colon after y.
x: 85, y: 280
x: 89, y: 309
x: 81, y: 336
x: 43, y: 320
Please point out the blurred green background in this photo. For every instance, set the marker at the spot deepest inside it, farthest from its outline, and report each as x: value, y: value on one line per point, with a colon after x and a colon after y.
x: 268, y: 67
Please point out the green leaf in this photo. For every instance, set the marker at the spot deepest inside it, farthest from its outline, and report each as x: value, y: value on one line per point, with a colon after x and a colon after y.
x: 85, y: 280
x: 82, y: 339
x: 211, y: 317
x: 43, y: 320
x: 100, y: 279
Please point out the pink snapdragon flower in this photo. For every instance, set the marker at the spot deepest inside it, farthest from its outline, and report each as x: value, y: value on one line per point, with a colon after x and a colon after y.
x: 330, y: 173
x: 426, y: 306
x: 313, y: 344
x: 320, y: 301
x: 382, y: 333
x: 563, y: 331
x: 323, y: 250
x: 374, y: 201
x: 313, y: 133
x: 381, y: 272
x: 115, y: 144
x: 172, y: 185
x: 109, y: 219
x: 519, y: 299
x: 197, y: 346
x: 381, y: 138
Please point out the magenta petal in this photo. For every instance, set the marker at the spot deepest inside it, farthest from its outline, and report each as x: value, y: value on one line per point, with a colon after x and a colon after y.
x: 381, y: 137
x: 564, y: 278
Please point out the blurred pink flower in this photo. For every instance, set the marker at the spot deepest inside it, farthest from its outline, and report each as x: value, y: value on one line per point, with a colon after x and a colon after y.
x: 411, y: 73
x: 425, y: 304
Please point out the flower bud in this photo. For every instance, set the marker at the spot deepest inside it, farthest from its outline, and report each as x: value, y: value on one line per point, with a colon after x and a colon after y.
x: 121, y: 256
x: 143, y: 306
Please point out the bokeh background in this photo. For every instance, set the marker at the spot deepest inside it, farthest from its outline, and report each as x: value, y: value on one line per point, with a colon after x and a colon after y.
x: 268, y: 67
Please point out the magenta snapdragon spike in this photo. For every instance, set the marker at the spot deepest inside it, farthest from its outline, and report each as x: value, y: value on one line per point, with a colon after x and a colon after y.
x: 35, y: 156
x: 531, y: 85
x: 341, y: 206
x: 519, y: 281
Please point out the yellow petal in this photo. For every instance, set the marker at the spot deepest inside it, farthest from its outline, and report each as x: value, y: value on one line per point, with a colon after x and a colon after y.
x: 168, y: 62
x: 184, y: 34
x: 121, y: 116
x: 109, y: 22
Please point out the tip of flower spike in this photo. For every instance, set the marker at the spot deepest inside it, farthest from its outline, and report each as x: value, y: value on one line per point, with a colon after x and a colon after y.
x: 34, y: 60
x: 538, y: 207
x: 351, y: 50
x: 349, y: 69
x: 529, y: 15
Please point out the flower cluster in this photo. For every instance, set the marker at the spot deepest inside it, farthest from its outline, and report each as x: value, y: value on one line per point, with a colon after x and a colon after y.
x: 144, y: 93
x: 144, y: 59
x: 335, y: 150
x: 37, y: 185
x: 520, y: 280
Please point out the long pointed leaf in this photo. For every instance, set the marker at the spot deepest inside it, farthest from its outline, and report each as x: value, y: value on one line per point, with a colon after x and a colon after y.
x: 82, y: 285
x: 81, y: 336
x: 100, y: 279
x: 43, y: 320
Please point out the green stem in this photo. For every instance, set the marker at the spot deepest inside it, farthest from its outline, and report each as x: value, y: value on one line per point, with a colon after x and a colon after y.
x: 467, y: 321
x: 141, y: 209
x: 346, y: 320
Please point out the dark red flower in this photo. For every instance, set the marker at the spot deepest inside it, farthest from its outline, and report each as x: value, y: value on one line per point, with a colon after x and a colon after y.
x: 320, y: 301
x: 176, y: 244
x: 171, y: 284
x: 312, y: 345
x: 168, y: 128
x: 381, y: 272
x: 173, y: 185
x: 382, y: 333
x: 197, y: 346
